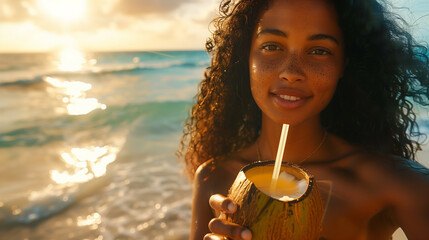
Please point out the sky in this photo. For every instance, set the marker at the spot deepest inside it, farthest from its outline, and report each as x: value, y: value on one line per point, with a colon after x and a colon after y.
x: 104, y: 25
x: 126, y: 25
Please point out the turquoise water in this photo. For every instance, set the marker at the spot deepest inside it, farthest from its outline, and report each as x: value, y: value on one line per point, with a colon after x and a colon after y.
x: 87, y: 144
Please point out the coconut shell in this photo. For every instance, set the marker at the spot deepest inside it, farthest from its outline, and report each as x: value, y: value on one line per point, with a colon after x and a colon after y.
x: 269, y: 218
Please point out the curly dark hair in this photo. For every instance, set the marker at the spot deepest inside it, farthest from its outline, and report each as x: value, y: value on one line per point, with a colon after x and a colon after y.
x: 372, y: 106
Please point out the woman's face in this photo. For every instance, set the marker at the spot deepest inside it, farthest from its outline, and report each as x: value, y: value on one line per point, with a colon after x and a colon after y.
x: 296, y: 59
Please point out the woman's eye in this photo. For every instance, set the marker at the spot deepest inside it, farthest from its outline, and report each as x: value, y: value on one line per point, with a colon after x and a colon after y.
x: 320, y: 52
x: 270, y: 47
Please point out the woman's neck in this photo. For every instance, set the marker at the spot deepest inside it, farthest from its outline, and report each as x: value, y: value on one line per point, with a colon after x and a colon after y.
x: 303, y: 140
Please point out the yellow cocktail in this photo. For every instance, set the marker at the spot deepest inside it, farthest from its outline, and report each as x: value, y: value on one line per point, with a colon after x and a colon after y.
x: 289, y: 187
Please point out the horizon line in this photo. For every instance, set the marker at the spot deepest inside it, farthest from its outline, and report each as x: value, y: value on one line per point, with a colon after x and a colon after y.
x: 102, y: 51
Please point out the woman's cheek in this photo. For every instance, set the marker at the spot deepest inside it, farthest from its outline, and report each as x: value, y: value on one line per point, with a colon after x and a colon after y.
x: 262, y: 71
x: 262, y: 64
x: 257, y: 87
x: 323, y: 76
x: 323, y: 73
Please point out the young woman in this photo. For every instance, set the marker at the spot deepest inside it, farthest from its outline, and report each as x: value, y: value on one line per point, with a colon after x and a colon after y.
x: 342, y: 73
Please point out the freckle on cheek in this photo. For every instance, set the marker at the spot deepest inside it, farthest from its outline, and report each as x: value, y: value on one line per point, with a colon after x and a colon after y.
x: 320, y: 73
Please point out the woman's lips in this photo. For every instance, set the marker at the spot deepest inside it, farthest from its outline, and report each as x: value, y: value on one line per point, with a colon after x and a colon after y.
x: 289, y: 98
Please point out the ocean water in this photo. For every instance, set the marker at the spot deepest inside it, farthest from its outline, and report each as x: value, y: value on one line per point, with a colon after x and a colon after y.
x: 88, y: 141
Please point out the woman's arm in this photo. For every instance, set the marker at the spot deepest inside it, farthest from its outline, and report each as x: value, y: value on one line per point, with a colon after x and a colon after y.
x: 205, y: 225
x: 201, y: 211
x: 412, y: 211
x: 414, y: 220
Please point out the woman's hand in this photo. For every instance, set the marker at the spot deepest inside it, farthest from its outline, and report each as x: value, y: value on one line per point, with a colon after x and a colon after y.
x: 220, y: 228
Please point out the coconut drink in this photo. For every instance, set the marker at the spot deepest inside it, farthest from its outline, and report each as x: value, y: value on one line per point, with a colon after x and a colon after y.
x: 293, y: 210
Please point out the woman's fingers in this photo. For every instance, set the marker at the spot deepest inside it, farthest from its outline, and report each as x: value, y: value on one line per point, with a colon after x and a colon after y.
x: 222, y: 204
x: 223, y: 228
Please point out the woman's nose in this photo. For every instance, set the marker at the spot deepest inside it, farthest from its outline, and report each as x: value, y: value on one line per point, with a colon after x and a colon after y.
x: 292, y: 70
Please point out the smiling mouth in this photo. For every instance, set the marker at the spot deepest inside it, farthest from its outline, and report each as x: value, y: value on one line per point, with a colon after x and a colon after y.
x: 289, y: 98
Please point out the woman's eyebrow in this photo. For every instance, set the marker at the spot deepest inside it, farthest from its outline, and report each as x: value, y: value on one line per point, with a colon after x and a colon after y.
x: 322, y: 36
x: 319, y: 36
x: 272, y: 31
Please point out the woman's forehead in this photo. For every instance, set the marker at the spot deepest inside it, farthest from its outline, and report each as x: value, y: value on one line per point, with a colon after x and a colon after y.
x: 321, y: 9
x: 307, y: 15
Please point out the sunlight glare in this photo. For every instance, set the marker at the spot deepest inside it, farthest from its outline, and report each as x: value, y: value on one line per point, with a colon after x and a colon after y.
x: 77, y: 104
x: 71, y: 60
x: 64, y: 10
x: 93, y: 219
x: 82, y: 106
x: 73, y: 89
x: 86, y: 164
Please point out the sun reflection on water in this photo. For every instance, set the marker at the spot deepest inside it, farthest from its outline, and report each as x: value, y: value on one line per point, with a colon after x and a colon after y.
x: 71, y: 60
x: 73, y: 89
x: 76, y: 102
x: 84, y: 106
x: 86, y: 163
x: 93, y: 219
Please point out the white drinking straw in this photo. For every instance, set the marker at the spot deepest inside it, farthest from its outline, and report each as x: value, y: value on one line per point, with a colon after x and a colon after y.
x: 279, y: 157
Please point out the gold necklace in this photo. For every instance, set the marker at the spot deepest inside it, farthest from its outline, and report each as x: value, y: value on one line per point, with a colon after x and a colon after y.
x: 325, y: 133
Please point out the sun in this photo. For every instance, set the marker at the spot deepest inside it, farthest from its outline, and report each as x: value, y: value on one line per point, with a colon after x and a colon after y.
x: 64, y: 10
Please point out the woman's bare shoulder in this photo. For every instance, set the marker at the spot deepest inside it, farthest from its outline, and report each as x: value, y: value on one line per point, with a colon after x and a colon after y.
x: 410, y: 177
x: 397, y: 171
x: 402, y: 171
x: 407, y: 166
x: 204, y: 171
x: 398, y: 180
x: 206, y: 174
x: 206, y: 183
x: 219, y: 173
